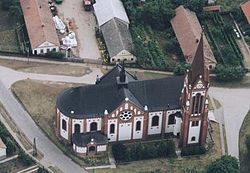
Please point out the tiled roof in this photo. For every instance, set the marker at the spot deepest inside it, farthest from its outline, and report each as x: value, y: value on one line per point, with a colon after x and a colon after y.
x: 212, y: 8
x: 188, y: 30
x: 39, y: 22
x: 246, y: 10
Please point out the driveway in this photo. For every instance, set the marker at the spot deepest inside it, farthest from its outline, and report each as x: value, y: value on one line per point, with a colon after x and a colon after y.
x: 236, y: 104
x: 85, y: 27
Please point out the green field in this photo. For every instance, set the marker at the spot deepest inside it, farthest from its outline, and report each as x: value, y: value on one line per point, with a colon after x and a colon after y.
x: 8, y: 25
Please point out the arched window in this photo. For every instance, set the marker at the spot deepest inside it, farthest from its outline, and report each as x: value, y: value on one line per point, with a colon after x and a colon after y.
x: 138, y: 126
x: 196, y: 103
x: 155, y: 121
x: 93, y: 126
x: 193, y: 138
x: 112, y: 129
x: 77, y: 128
x: 64, y: 125
x: 201, y: 104
x: 171, y: 119
x: 92, y: 149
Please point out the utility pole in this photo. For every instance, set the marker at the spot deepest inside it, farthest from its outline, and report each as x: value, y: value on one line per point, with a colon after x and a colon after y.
x: 34, y: 147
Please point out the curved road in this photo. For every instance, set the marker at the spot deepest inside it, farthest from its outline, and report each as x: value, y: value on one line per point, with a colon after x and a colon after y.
x: 236, y: 104
x: 52, y: 155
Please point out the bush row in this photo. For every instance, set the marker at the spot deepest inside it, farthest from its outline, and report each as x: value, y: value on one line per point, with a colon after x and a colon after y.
x: 142, y: 151
x: 193, y: 150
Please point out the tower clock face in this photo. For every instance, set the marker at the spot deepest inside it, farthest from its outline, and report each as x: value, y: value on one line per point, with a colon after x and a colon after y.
x: 125, y: 115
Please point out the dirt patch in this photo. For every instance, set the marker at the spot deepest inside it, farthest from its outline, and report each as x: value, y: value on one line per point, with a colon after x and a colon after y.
x: 46, y: 68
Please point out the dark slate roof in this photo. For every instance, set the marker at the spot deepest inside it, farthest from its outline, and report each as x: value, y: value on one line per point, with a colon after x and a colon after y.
x: 110, y: 77
x: 82, y: 139
x: 158, y: 94
x: 93, y: 100
x: 116, y: 36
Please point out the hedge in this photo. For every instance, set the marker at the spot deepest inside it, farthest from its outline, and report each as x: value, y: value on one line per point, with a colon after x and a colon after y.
x: 141, y: 151
x: 192, y: 150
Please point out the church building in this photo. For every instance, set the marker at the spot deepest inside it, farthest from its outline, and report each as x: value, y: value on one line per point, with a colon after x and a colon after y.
x: 121, y: 108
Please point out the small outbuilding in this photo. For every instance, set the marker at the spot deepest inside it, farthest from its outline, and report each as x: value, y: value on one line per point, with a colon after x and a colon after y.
x: 2, y: 150
x: 113, y: 23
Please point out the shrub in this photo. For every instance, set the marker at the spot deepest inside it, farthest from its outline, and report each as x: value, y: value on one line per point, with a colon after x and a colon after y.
x: 42, y: 170
x: 119, y: 151
x: 55, y: 55
x: 229, y: 73
x: 24, y: 158
x: 181, y: 68
x: 192, y: 150
x: 225, y: 164
x: 143, y: 151
x: 11, y: 147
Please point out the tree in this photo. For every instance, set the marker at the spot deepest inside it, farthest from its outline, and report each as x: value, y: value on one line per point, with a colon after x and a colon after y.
x: 247, y: 142
x: 229, y: 73
x: 11, y: 147
x: 195, y: 5
x: 55, y: 55
x: 24, y: 158
x: 225, y: 164
x: 181, y: 68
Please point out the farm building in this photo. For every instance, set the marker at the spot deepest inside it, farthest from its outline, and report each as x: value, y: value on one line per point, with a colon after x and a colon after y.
x: 188, y: 30
x: 2, y: 150
x: 245, y: 7
x: 40, y: 26
x: 121, y: 108
x: 113, y: 23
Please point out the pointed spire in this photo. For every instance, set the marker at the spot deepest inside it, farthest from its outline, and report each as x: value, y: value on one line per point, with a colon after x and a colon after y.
x: 198, y: 65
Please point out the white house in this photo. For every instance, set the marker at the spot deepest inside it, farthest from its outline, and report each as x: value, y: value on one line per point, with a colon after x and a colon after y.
x: 2, y: 150
x: 40, y: 26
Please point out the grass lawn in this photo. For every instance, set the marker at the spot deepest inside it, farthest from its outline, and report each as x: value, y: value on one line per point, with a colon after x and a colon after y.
x: 244, y: 159
x: 14, y: 128
x: 46, y: 68
x: 12, y: 166
x: 185, y: 164
x: 244, y: 83
x: 8, y: 41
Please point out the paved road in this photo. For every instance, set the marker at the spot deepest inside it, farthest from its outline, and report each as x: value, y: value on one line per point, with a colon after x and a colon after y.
x: 9, y: 76
x: 236, y: 104
x: 85, y: 23
x: 52, y: 155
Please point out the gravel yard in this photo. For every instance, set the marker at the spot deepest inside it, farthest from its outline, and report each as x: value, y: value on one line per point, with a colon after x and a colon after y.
x: 85, y: 27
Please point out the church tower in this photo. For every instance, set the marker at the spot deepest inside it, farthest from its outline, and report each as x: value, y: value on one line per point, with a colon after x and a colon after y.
x: 194, y: 101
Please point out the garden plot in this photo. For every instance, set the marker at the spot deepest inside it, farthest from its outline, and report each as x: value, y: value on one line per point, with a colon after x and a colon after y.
x: 223, y: 41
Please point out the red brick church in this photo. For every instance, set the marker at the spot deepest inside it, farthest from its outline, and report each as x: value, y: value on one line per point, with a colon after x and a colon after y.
x: 121, y: 108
